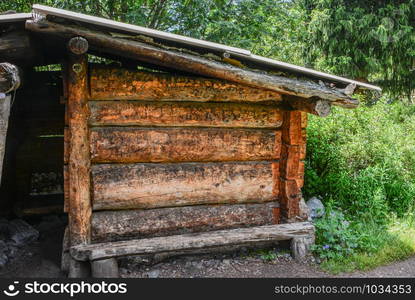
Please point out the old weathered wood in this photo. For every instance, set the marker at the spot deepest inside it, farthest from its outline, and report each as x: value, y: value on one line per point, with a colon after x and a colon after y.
x: 66, y: 257
x: 186, y: 114
x: 9, y: 78
x: 105, y: 268
x: 127, y: 224
x: 123, y: 186
x: 291, y: 167
x: 189, y: 242
x: 4, y: 122
x: 321, y: 108
x: 78, y: 45
x: 79, y: 269
x: 79, y: 154
x: 300, y: 247
x: 121, y: 84
x: 196, y: 64
x: 131, y: 144
x: 18, y: 47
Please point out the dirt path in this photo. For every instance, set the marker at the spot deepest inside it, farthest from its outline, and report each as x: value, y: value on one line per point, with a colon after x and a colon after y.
x: 42, y: 260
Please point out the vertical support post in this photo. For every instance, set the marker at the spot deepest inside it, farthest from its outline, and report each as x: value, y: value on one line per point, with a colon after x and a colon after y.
x: 79, y: 163
x: 4, y: 121
x: 291, y: 164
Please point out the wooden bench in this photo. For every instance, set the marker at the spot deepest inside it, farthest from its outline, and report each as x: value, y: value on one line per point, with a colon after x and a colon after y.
x: 100, y: 259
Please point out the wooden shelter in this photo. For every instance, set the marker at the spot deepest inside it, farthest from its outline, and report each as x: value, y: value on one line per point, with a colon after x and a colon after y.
x: 171, y: 144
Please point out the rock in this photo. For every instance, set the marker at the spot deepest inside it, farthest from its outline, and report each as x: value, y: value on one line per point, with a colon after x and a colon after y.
x: 153, y: 274
x: 316, y: 207
x: 304, y: 210
x: 22, y: 233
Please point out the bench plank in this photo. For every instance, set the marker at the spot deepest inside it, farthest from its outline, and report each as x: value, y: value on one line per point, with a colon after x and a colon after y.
x: 194, y: 242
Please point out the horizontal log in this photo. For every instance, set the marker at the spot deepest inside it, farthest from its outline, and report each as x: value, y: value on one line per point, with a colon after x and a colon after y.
x: 316, y: 107
x: 128, y: 186
x: 122, y: 84
x: 195, y: 64
x: 137, y: 113
x: 115, y: 144
x: 127, y: 224
x: 18, y: 47
x: 9, y: 78
x: 192, y: 242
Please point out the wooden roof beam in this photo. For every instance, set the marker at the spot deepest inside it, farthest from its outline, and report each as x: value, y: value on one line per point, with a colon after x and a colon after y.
x: 195, y: 64
x: 9, y: 78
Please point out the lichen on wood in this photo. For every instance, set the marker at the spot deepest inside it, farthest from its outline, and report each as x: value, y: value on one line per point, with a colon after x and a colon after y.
x: 128, y: 186
x: 132, y: 144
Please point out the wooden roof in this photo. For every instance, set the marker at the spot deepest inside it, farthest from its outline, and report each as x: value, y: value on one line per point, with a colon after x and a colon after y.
x: 183, y: 40
x: 13, y: 18
x: 49, y: 29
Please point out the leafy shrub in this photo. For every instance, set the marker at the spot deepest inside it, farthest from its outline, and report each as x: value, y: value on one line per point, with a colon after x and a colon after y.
x: 334, y: 236
x: 362, y: 162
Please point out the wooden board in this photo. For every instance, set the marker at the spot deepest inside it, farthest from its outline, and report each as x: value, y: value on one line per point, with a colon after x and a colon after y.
x: 79, y: 178
x: 4, y: 122
x: 183, y: 144
x: 140, y: 113
x: 125, y: 186
x: 122, y: 84
x: 127, y: 224
x: 193, y: 242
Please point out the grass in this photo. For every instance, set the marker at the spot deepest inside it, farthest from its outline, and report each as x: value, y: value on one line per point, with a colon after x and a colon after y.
x: 362, y: 164
x: 393, y: 243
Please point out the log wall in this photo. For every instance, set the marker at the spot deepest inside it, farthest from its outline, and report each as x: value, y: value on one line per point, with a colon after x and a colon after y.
x: 172, y: 154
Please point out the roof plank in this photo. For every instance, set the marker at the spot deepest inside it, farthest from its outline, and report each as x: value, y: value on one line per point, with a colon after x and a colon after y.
x: 245, y: 54
x: 136, y: 29
x: 196, y: 64
x: 12, y: 18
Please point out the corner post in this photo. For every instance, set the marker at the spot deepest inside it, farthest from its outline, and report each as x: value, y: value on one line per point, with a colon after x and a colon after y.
x: 291, y: 163
x: 79, y: 162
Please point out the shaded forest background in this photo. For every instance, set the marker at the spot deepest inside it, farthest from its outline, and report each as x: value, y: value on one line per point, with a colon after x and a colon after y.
x: 360, y: 162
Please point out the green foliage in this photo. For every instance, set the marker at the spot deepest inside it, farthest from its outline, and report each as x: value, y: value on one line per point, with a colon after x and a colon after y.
x: 364, y: 159
x: 361, y: 162
x: 364, y: 39
x: 334, y: 236
x: 381, y: 245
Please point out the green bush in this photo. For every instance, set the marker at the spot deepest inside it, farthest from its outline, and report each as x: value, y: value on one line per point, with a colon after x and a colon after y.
x: 362, y: 162
x: 334, y: 236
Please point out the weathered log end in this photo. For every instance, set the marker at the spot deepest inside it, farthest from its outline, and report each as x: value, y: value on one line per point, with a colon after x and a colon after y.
x: 318, y: 107
x: 301, y: 246
x: 105, y: 268
x: 322, y: 108
x: 79, y: 269
x: 9, y: 78
x: 78, y: 45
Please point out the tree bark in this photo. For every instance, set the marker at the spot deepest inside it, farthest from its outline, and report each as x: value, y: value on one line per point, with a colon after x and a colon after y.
x: 4, y: 121
x: 317, y: 107
x: 197, y: 64
x: 145, y: 185
x: 134, y: 144
x: 9, y: 78
x: 192, y: 242
x: 79, y: 156
x: 109, y: 226
x: 184, y: 114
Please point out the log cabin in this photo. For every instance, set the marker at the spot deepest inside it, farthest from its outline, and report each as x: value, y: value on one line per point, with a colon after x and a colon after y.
x: 155, y: 143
